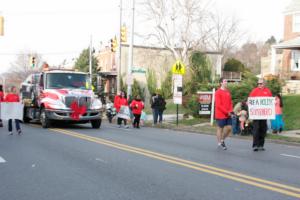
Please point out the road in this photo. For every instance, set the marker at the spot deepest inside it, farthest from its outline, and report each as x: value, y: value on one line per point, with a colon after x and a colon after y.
x: 77, y: 162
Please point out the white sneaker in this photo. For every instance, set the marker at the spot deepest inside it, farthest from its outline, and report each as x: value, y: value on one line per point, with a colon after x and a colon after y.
x: 126, y: 126
x: 10, y: 133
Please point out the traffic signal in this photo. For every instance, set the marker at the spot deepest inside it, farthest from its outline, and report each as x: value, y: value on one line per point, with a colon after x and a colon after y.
x: 123, y: 34
x: 1, y: 25
x: 32, y: 61
x: 113, y: 44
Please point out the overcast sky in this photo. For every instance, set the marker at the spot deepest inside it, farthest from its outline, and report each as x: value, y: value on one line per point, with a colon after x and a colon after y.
x: 60, y: 29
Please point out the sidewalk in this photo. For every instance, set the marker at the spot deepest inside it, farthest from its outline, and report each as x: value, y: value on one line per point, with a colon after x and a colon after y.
x: 291, y: 133
x: 206, y: 128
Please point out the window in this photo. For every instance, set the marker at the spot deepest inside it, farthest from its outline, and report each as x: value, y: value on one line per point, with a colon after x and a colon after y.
x: 67, y: 80
x: 296, y: 23
x: 295, y: 60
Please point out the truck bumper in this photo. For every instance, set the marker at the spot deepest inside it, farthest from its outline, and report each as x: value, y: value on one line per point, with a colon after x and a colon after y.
x: 65, y: 115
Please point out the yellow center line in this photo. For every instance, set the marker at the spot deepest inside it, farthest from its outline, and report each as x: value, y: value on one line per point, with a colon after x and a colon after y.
x: 273, y: 186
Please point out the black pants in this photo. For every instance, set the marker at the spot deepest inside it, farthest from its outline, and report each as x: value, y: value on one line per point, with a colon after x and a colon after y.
x: 120, y: 121
x: 259, y: 132
x: 17, y: 122
x: 136, y: 122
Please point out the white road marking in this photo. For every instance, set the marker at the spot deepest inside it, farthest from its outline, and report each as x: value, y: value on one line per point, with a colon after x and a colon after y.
x: 2, y: 160
x: 100, y: 160
x: 123, y: 129
x: 287, y: 155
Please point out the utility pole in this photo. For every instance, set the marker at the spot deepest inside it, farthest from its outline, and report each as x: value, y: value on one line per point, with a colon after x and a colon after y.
x: 130, y: 54
x: 120, y: 55
x: 90, y: 61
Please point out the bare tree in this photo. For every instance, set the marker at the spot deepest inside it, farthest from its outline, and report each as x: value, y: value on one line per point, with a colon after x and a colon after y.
x: 185, y: 25
x: 21, y: 68
x: 225, y: 32
x: 176, y: 24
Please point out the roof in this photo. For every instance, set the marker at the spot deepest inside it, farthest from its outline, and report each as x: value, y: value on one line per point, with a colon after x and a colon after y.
x: 289, y: 44
x: 293, y: 7
x: 105, y: 74
x: 64, y: 71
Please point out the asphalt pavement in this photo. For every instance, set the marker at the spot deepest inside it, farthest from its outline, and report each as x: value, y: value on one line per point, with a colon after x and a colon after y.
x: 78, y: 162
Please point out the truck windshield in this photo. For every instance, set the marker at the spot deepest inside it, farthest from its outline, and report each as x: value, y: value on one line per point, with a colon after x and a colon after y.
x: 67, y: 80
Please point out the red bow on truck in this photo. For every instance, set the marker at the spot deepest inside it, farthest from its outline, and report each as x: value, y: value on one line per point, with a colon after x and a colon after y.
x: 77, y: 110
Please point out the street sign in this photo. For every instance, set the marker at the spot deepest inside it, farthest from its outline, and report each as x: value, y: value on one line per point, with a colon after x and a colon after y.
x: 177, y: 89
x: 178, y: 68
x: 138, y: 70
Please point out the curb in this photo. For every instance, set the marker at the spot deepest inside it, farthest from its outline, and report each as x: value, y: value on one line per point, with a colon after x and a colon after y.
x: 167, y: 125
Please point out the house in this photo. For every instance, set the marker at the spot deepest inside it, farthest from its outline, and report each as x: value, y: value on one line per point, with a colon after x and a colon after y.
x: 145, y: 59
x: 289, y: 68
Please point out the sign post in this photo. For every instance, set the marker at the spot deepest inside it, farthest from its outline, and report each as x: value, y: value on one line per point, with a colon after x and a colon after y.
x: 178, y: 69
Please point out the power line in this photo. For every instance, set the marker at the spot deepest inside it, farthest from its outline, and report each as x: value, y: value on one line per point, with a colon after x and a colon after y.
x: 42, y: 53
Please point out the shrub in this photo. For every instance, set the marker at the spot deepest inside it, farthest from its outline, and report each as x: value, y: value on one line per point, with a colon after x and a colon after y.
x: 234, y: 65
x: 193, y: 105
x: 166, y: 86
x: 151, y: 81
x: 137, y: 90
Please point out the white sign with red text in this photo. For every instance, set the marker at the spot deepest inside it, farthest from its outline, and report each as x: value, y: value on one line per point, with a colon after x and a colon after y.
x: 261, y: 107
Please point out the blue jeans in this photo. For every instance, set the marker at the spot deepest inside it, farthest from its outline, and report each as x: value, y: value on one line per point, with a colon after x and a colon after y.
x: 158, y: 115
x: 235, y: 125
x: 17, y: 122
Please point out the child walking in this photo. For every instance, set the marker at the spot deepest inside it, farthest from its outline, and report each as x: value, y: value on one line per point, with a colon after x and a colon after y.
x: 278, y: 124
x: 137, y: 106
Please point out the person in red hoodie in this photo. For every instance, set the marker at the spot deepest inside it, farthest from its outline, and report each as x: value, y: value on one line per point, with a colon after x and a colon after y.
x: 260, y: 127
x: 137, y: 106
x: 118, y: 102
x: 1, y: 99
x: 223, y: 112
x: 12, y: 96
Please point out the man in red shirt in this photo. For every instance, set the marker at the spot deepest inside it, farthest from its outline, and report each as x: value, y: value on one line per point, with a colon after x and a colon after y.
x: 223, y: 111
x: 260, y: 126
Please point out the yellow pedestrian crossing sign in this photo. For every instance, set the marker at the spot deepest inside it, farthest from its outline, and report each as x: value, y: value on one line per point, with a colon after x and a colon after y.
x: 178, y: 68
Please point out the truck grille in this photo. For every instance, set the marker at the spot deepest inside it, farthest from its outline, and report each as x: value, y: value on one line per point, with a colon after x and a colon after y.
x: 82, y: 101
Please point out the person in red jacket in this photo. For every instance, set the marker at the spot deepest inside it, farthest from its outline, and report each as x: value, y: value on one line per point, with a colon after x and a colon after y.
x: 137, y: 107
x: 260, y: 126
x: 223, y: 112
x: 1, y: 99
x: 12, y: 96
x: 120, y: 101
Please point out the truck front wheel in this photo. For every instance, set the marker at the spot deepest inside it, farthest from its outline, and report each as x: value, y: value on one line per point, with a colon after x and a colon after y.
x: 96, y: 123
x: 44, y: 120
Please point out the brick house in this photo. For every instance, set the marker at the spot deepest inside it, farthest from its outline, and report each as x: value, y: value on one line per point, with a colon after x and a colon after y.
x: 289, y: 67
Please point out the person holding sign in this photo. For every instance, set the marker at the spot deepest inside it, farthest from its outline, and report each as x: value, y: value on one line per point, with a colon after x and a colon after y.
x: 1, y: 99
x: 12, y: 96
x: 260, y: 125
x: 121, y: 105
x: 223, y: 112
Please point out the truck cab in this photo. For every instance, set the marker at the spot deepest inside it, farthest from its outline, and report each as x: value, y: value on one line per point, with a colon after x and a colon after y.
x: 59, y: 95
